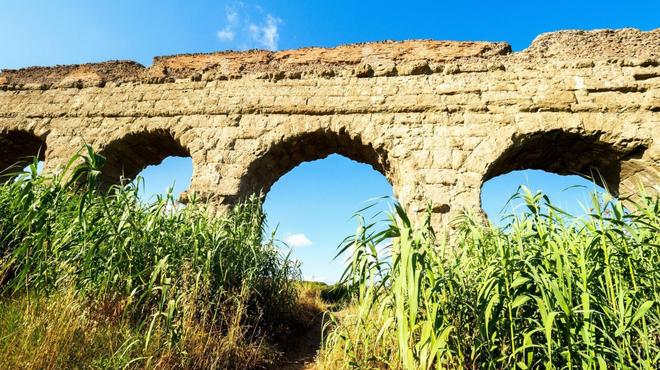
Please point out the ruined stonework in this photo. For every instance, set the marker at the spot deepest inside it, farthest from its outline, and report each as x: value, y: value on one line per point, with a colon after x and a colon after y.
x: 436, y: 118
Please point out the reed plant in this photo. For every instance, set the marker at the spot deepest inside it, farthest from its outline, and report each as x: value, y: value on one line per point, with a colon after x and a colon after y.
x: 183, y: 289
x: 546, y: 290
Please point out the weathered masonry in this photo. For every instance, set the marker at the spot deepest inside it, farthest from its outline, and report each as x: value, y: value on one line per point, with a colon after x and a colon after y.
x: 436, y: 118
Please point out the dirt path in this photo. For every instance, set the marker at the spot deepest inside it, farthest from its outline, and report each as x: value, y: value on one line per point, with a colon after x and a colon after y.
x: 302, y: 356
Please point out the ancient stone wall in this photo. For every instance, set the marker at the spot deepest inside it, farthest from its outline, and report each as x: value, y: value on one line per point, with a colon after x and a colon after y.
x: 437, y: 118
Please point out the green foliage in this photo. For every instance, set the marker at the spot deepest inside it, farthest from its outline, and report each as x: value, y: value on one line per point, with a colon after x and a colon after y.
x: 333, y: 294
x: 337, y: 293
x: 162, y: 261
x: 546, y: 291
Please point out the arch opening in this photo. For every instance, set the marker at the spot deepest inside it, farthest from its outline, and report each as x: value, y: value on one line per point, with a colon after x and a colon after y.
x: 16, y: 149
x: 570, y: 153
x: 314, y: 183
x: 127, y: 156
x: 311, y: 207
x: 571, y: 193
x: 283, y: 156
x: 172, y: 172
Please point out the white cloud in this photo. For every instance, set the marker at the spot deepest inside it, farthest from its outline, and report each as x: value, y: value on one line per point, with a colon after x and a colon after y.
x: 232, y: 14
x: 297, y: 240
x: 227, y: 34
x: 267, y: 34
x: 250, y: 27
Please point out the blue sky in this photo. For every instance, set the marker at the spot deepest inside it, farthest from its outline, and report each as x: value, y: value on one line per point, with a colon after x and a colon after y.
x: 311, y: 205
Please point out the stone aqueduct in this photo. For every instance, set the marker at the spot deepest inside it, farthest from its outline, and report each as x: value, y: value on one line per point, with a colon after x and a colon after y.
x: 436, y: 118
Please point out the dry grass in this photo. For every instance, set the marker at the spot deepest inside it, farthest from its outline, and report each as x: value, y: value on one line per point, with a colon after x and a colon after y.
x: 60, y: 331
x: 66, y: 331
x: 352, y: 344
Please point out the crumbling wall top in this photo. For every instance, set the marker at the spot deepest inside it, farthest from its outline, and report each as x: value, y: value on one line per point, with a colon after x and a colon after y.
x: 596, y: 44
x: 386, y: 58
x: 111, y: 71
x: 340, y: 58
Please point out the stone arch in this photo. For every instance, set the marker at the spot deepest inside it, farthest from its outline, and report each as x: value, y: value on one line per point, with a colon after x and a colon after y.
x: 284, y: 154
x: 128, y: 155
x: 593, y: 155
x: 16, y: 148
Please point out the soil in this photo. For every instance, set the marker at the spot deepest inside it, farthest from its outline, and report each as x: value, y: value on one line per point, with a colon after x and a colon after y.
x: 302, y: 356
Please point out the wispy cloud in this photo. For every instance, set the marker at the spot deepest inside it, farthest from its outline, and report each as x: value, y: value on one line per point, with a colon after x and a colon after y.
x: 232, y: 14
x: 266, y: 34
x: 250, y: 26
x: 227, y: 34
x: 297, y: 240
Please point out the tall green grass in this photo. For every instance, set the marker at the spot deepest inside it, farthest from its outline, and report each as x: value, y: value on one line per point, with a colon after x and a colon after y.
x: 545, y: 291
x: 207, y: 290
